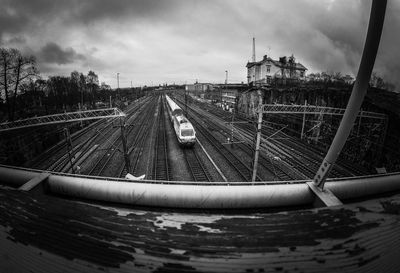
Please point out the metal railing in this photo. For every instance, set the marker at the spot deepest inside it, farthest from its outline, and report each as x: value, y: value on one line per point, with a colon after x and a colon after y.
x: 312, y: 109
x: 62, y: 118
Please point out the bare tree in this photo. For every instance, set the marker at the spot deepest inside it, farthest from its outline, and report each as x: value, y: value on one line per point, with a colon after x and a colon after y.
x: 92, y: 81
x: 6, y: 67
x: 14, y: 69
x: 24, y: 69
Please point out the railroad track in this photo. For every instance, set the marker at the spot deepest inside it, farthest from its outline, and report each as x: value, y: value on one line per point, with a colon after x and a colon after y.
x: 138, y: 137
x: 80, y: 139
x: 100, y: 165
x: 196, y: 166
x: 113, y: 152
x: 270, y: 157
x: 161, y: 166
x: 58, y: 150
x: 306, y: 159
x: 344, y: 165
x: 242, y: 169
x: 111, y: 161
x: 277, y: 168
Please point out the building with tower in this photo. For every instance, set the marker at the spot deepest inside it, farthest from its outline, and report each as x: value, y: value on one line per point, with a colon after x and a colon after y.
x: 274, y: 72
x: 268, y: 71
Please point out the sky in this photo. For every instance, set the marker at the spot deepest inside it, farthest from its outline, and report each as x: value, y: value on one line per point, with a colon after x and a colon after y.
x: 180, y: 41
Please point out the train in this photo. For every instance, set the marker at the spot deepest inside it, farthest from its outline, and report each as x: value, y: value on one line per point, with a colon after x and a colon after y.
x: 184, y: 130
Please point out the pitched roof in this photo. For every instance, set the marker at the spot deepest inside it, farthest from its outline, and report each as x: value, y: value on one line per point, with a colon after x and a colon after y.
x: 298, y: 66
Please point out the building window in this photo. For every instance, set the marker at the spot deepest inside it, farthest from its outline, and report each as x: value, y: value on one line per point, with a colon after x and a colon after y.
x: 301, y: 73
x: 268, y: 68
x: 268, y: 79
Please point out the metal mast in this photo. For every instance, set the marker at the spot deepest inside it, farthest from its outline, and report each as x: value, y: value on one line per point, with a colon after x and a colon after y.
x: 253, y: 58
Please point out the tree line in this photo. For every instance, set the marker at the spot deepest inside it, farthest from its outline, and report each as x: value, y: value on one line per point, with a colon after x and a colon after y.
x: 337, y: 78
x: 24, y: 93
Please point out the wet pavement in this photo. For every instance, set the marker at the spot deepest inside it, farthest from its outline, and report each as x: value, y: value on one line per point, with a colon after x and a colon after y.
x: 43, y: 233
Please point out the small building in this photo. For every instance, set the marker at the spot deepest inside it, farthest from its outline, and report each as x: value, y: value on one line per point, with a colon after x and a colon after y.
x: 227, y: 94
x: 198, y: 87
x: 269, y: 71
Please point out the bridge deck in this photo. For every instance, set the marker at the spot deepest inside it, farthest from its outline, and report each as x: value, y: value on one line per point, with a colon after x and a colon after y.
x: 42, y: 233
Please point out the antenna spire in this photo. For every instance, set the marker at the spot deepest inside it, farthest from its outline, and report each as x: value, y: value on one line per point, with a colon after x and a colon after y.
x: 253, y: 59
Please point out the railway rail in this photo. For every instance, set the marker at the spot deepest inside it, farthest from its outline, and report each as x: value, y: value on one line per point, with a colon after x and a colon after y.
x: 266, y: 160
x: 161, y: 167
x: 237, y: 164
x: 111, y: 159
x: 137, y: 138
x: 42, y: 161
x: 276, y: 168
x: 100, y: 165
x: 82, y: 142
x: 283, y: 157
x: 304, y: 157
x: 197, y: 169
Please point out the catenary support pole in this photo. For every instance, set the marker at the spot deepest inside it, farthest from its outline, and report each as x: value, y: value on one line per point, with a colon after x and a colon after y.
x: 258, y: 140
x: 68, y: 141
x: 125, y: 151
x: 304, y: 120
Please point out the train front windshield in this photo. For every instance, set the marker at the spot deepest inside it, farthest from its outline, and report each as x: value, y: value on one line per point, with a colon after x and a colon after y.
x: 186, y: 132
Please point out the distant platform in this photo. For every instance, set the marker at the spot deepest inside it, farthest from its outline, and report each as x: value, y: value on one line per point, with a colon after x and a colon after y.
x: 44, y: 233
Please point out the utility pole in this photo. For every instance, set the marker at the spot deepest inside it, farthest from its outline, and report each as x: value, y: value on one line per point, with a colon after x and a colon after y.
x: 258, y: 140
x: 69, y: 148
x: 226, y: 85
x: 186, y: 102
x: 233, y: 118
x: 118, y: 80
x: 81, y: 105
x: 304, y: 121
x: 125, y: 150
x: 253, y: 58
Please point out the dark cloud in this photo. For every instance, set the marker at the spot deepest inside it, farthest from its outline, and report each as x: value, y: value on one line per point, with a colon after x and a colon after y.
x: 88, y: 11
x: 53, y: 53
x: 9, y: 22
x: 200, y: 39
x: 17, y: 40
x: 27, y: 12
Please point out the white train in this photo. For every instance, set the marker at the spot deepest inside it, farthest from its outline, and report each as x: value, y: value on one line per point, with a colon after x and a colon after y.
x: 184, y: 130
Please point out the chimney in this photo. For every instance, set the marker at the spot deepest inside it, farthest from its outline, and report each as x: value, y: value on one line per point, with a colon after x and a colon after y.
x: 283, y: 60
x: 254, y: 50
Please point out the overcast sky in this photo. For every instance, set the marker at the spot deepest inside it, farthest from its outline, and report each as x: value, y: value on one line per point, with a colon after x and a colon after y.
x: 149, y: 41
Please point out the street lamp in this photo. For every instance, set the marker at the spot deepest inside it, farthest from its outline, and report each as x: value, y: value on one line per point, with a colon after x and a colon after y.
x: 226, y: 84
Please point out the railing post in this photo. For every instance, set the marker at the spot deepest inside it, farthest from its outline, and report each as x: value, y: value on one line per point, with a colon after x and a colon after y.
x: 359, y: 90
x: 324, y: 196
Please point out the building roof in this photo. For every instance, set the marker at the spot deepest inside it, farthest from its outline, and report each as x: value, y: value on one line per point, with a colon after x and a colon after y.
x: 280, y: 64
